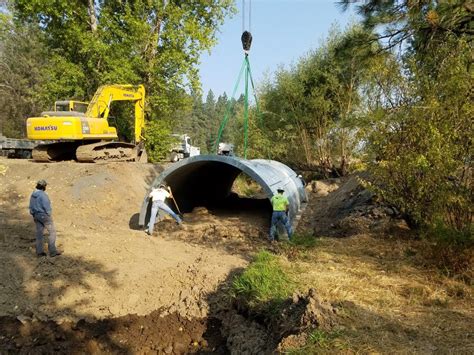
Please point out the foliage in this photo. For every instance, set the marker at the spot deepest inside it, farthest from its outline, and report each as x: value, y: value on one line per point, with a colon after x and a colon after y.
x: 84, y: 44
x: 419, y: 132
x: 312, y: 108
x: 244, y: 186
x: 263, y: 284
x: 300, y: 247
x: 158, y: 140
x: 22, y: 68
x: 317, y: 340
x: 421, y: 139
x: 422, y: 23
x: 451, y: 250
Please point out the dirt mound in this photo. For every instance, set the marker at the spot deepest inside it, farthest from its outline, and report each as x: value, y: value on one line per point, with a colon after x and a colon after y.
x: 240, y: 232
x: 245, y: 336
x: 305, y: 311
x: 251, y: 332
x: 171, y: 334
x: 343, y: 207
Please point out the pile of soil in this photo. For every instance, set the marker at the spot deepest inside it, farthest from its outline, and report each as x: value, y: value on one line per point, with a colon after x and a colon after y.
x: 171, y: 334
x: 253, y: 332
x: 241, y: 232
x: 343, y: 207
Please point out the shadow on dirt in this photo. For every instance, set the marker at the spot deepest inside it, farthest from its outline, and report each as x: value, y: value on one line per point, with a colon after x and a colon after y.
x: 171, y: 334
x: 133, y: 222
x: 27, y: 291
x: 34, y: 296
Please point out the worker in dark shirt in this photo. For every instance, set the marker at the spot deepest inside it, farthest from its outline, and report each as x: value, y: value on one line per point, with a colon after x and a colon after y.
x: 40, y: 209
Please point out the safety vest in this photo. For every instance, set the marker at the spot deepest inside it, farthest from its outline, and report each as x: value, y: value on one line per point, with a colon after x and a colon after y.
x: 279, y: 202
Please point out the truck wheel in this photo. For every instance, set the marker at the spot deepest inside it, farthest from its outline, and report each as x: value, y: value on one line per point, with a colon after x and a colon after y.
x: 174, y: 157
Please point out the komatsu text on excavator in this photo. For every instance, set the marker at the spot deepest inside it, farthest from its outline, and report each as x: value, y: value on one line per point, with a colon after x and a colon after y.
x: 87, y: 137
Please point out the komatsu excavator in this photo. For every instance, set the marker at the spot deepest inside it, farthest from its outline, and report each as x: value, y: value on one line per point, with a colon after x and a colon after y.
x: 87, y: 137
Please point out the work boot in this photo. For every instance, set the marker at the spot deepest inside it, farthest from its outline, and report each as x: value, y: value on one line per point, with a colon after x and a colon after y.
x: 56, y: 254
x: 41, y: 254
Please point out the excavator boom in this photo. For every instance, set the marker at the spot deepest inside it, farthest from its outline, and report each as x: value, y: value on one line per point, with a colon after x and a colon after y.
x: 100, y: 104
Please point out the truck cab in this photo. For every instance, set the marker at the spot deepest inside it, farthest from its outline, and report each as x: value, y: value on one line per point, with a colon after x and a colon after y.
x: 183, y: 149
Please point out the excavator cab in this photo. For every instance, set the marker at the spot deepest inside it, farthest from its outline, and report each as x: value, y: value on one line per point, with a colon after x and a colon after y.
x: 70, y: 106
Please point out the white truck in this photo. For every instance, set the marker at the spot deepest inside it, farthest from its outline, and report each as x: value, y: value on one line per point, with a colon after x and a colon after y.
x: 225, y: 149
x: 184, y: 149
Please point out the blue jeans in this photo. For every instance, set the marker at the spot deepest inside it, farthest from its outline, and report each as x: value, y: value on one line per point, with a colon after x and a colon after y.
x: 155, y: 208
x: 280, y: 217
x: 43, y: 221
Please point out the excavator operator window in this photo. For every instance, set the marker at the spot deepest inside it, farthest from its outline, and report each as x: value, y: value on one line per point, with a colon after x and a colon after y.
x: 62, y: 107
x: 79, y: 107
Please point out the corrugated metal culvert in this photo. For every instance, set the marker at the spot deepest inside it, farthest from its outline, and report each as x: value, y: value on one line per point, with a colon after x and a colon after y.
x: 205, y: 180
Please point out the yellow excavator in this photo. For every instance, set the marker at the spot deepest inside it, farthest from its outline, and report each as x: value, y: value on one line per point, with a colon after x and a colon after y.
x: 87, y: 137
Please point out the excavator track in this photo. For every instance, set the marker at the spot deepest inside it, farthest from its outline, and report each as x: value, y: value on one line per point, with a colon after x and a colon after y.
x: 54, y: 151
x: 107, y: 152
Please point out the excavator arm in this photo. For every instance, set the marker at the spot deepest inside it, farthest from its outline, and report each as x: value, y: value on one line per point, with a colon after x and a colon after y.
x: 99, y: 106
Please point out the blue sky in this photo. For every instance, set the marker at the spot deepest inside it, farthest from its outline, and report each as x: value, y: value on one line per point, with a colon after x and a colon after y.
x: 282, y: 30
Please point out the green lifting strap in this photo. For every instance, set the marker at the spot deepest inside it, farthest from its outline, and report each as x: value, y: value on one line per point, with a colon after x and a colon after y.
x: 248, y: 75
x: 246, y: 107
x: 229, y: 108
x: 254, y: 93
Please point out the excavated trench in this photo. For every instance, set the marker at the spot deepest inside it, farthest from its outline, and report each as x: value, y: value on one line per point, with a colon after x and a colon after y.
x: 229, y: 329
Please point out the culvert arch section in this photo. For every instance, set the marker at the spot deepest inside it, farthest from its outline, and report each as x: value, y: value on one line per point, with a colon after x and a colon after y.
x: 207, y: 180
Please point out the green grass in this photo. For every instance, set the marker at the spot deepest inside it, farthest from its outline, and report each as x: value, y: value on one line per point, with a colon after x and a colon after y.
x: 320, y: 342
x: 244, y: 186
x: 300, y: 247
x: 264, y: 284
x: 304, y: 241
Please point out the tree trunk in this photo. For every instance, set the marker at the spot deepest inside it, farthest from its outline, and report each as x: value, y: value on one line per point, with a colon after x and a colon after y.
x: 151, y: 48
x: 92, y: 16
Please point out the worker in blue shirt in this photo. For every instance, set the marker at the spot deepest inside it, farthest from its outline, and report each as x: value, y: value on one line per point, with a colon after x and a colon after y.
x: 40, y: 209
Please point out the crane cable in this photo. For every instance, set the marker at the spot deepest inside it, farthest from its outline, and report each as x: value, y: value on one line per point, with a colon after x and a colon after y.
x: 250, y: 16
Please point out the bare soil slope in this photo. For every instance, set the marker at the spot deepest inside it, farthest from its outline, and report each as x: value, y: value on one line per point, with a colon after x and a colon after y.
x: 107, y: 269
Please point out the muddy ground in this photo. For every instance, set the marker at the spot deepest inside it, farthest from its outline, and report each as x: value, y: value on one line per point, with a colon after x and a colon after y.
x: 116, y: 290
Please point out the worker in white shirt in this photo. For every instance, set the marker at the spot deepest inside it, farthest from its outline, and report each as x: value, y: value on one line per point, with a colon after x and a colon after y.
x: 158, y: 196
